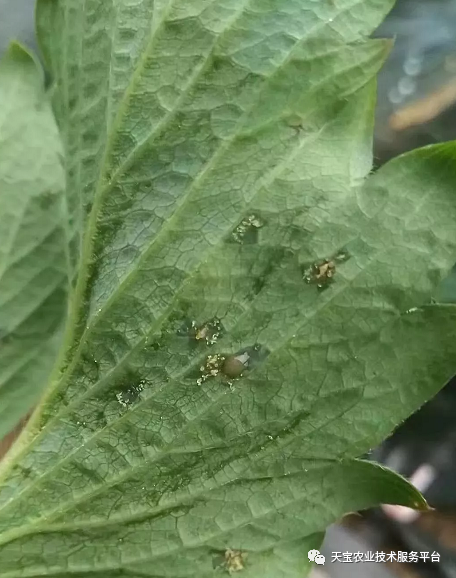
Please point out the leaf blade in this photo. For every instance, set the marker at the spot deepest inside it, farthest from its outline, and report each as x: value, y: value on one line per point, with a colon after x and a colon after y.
x: 211, y: 223
x: 34, y: 273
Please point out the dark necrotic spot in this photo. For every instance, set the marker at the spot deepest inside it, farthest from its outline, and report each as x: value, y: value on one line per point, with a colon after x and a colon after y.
x: 128, y: 389
x: 246, y: 359
x: 247, y: 230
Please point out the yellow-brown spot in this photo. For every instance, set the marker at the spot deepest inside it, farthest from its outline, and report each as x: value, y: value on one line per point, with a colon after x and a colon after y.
x: 210, y: 368
x: 208, y: 332
x: 234, y: 560
x: 247, y: 224
x: 320, y: 273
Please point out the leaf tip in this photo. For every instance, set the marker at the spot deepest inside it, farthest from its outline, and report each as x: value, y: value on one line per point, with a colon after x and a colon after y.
x: 19, y: 52
x: 385, y: 46
x: 422, y: 505
x: 19, y: 55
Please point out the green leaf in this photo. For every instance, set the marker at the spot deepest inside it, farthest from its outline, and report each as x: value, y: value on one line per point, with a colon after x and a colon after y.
x: 33, y: 250
x: 446, y: 292
x: 252, y: 311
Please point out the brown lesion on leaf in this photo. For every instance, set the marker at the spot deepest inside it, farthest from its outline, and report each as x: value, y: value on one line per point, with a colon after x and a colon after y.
x: 235, y: 365
x: 211, y: 367
x: 230, y: 367
x: 208, y: 332
x: 234, y: 560
x: 247, y: 230
x: 321, y: 273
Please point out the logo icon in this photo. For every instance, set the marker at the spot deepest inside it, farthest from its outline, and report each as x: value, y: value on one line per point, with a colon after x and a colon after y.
x: 315, y: 556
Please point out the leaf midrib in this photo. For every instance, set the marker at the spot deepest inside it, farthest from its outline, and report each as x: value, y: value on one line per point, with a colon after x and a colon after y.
x: 321, y: 24
x: 102, y: 190
x: 273, y: 448
x: 105, y: 379
x: 142, y: 342
x: 131, y: 275
x: 394, y: 318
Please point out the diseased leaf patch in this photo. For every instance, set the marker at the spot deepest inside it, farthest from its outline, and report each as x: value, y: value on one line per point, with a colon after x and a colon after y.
x: 231, y: 366
x: 247, y: 230
x: 321, y: 273
x: 214, y: 397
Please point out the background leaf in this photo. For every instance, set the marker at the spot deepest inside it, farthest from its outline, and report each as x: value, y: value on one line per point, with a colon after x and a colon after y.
x: 446, y: 292
x: 220, y: 154
x: 33, y: 251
